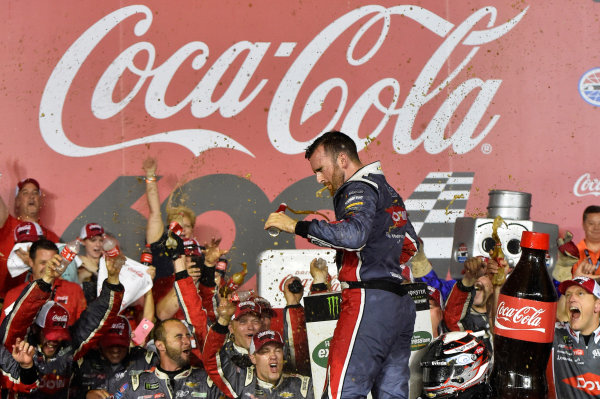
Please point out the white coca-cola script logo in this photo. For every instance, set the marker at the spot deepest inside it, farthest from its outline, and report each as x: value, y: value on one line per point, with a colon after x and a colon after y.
x: 58, y: 318
x: 527, y: 316
x: 586, y: 185
x: 203, y: 102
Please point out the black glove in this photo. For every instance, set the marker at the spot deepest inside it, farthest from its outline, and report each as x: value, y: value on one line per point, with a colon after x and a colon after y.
x: 172, y: 245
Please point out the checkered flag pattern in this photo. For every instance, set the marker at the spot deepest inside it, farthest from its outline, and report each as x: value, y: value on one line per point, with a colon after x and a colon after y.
x: 433, y: 208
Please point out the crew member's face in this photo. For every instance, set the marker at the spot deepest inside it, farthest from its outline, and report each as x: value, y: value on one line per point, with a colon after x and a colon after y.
x: 327, y: 169
x: 38, y: 265
x: 244, y: 328
x: 591, y: 227
x: 114, y: 353
x: 483, y: 290
x: 178, y: 345
x: 28, y: 202
x: 269, y: 362
x: 49, y: 348
x: 93, y: 246
x: 583, y: 309
x: 188, y: 229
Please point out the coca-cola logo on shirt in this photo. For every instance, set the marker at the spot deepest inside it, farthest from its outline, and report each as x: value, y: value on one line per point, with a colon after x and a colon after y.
x: 586, y: 185
x: 302, y: 87
x: 524, y: 319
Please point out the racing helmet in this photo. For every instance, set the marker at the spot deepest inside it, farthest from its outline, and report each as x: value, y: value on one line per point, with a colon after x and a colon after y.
x: 453, y: 363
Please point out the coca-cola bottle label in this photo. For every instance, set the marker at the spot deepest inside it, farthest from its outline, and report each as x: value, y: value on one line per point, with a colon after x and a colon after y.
x: 176, y: 228
x: 113, y: 252
x: 67, y: 253
x: 524, y: 319
x: 146, y: 258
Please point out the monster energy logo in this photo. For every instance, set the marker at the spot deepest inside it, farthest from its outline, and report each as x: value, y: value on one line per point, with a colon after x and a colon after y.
x: 334, y: 306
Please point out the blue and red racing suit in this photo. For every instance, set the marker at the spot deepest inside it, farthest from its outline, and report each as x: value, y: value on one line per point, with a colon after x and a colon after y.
x: 374, y: 239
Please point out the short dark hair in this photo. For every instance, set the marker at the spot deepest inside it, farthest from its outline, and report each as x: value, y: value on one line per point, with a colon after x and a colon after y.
x: 42, y: 243
x: 334, y: 142
x: 160, y: 331
x: 590, y: 209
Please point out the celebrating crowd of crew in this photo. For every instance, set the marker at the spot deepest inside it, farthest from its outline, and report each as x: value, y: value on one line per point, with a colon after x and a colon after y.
x: 67, y: 332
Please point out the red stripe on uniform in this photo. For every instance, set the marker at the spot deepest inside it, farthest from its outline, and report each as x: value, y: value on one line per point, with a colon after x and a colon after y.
x: 342, y: 342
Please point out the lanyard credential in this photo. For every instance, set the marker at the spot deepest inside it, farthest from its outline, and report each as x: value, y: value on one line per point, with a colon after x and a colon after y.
x: 587, y: 255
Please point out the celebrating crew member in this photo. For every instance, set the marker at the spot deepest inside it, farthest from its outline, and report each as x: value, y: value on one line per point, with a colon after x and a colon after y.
x: 173, y: 377
x: 370, y: 347
x: 101, y: 372
x: 264, y: 377
x: 57, y: 344
x: 589, y: 248
x: 574, y: 367
x: 28, y: 206
x: 68, y: 294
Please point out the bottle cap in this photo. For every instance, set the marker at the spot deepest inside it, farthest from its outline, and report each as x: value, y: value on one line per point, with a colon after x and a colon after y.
x: 533, y: 240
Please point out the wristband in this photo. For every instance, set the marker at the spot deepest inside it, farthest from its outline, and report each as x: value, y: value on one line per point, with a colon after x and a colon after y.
x: 150, y: 179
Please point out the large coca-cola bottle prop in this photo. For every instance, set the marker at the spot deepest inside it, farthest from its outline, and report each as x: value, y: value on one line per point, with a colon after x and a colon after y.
x: 524, y: 326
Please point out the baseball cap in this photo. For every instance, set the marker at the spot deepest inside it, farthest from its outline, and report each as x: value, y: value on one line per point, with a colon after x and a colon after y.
x: 436, y: 295
x: 244, y: 308
x: 91, y: 230
x: 28, y: 232
x: 265, y: 307
x: 588, y: 284
x: 119, y: 333
x: 24, y: 182
x: 262, y: 338
x: 54, y: 319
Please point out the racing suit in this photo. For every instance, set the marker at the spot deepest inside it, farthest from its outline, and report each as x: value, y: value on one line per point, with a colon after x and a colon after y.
x: 242, y: 382
x: 459, y: 314
x: 191, y: 382
x: 94, y: 371
x: 15, y: 378
x: 574, y: 369
x: 293, y: 326
x: 55, y: 372
x: 373, y: 237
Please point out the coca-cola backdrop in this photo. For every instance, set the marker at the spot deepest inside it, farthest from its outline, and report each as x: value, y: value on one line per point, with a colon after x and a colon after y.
x: 455, y: 98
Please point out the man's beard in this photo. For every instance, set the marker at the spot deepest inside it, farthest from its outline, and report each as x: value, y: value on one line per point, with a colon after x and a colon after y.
x: 176, y: 356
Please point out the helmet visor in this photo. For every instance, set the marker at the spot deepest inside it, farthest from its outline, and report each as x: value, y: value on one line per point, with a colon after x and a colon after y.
x: 434, y: 376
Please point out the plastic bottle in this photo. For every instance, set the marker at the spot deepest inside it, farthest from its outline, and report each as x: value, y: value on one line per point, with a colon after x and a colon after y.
x: 274, y: 231
x: 146, y: 257
x: 68, y: 253
x: 524, y: 326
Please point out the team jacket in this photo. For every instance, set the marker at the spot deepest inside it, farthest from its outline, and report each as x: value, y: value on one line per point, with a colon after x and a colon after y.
x: 574, y: 368
x: 372, y: 234
x: 96, y: 372
x: 15, y: 378
x: 55, y: 372
x: 241, y: 382
x: 192, y: 302
x: 68, y: 294
x: 189, y: 383
x: 459, y: 314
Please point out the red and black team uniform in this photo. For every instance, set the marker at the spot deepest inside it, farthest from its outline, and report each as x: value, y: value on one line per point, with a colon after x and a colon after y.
x: 7, y: 242
x: 241, y: 382
x: 55, y: 372
x: 459, y: 314
x: 574, y: 369
x: 68, y: 294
